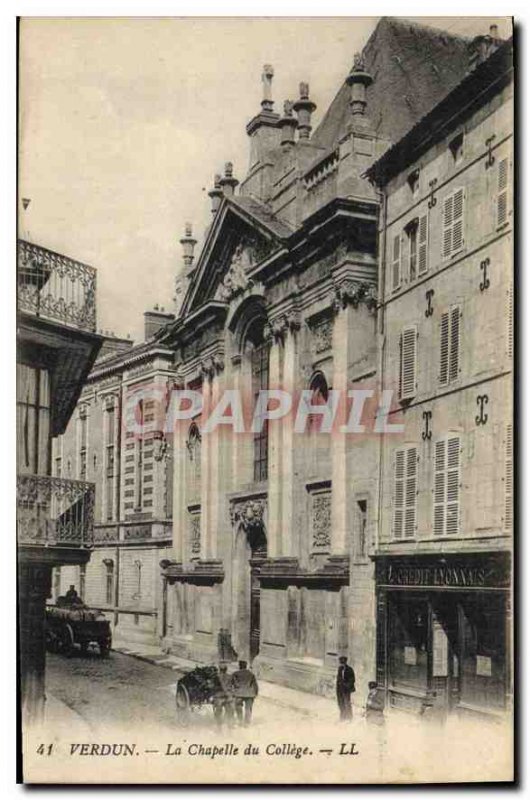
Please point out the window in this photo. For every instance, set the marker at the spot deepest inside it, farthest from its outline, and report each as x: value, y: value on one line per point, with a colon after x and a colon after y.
x: 417, y: 232
x: 453, y: 223
x: 405, y: 489
x: 396, y: 262
x: 456, y: 147
x: 260, y: 380
x: 447, y: 486
x: 450, y: 346
x: 319, y: 443
x: 407, y: 377
x: 508, y: 479
x: 83, y: 443
x: 138, y: 580
x: 413, y: 181
x: 502, y: 191
x: 361, y: 529
x: 109, y: 459
x: 109, y: 581
x: 33, y: 420
x: 139, y: 457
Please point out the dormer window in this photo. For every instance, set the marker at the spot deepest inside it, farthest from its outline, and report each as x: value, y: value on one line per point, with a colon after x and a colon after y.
x: 456, y: 146
x: 414, y: 182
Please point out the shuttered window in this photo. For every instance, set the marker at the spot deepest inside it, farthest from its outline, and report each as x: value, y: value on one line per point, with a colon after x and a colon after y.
x: 450, y: 345
x: 446, y: 491
x: 508, y: 479
x: 453, y: 223
x: 407, y: 382
x: 405, y: 489
x: 502, y: 191
x: 396, y: 262
x: 423, y: 243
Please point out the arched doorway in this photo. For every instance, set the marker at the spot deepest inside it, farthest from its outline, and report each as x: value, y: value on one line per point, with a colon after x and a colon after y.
x: 250, y: 550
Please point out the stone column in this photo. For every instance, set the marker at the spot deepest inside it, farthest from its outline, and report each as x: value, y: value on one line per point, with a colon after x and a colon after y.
x: 274, y: 471
x: 340, y: 480
x: 206, y: 466
x: 180, y: 463
x: 289, y: 545
x: 217, y: 447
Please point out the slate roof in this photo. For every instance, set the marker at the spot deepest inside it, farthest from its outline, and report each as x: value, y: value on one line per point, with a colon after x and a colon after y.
x: 413, y: 67
x: 262, y: 214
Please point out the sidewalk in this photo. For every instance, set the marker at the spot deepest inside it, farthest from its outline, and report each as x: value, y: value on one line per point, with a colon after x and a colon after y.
x: 304, y: 703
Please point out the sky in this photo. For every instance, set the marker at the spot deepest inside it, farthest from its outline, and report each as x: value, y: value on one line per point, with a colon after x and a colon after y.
x: 124, y: 121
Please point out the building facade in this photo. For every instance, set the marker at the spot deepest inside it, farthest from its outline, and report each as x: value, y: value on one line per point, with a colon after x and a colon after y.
x: 444, y: 551
x: 132, y: 474
x: 56, y: 347
x: 292, y: 548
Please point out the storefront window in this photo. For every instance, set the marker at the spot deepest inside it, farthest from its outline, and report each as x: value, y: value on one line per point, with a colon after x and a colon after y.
x: 408, y: 638
x: 482, y: 622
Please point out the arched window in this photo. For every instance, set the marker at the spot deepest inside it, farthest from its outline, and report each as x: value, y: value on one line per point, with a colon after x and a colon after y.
x: 259, y: 358
x: 319, y: 397
x: 194, y: 455
x: 319, y: 442
x: 109, y: 581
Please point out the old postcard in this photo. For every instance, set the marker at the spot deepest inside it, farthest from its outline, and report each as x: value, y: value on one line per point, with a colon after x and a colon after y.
x: 265, y: 400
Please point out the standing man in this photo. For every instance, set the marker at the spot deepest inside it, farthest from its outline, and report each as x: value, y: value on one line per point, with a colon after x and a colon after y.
x: 345, y: 687
x: 223, y: 702
x: 245, y: 690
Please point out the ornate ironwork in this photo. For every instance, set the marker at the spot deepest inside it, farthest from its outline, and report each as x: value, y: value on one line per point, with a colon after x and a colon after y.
x: 427, y: 433
x: 481, y: 418
x: 55, y: 287
x: 432, y: 199
x: 485, y: 282
x: 490, y: 161
x: 54, y: 511
x: 429, y: 311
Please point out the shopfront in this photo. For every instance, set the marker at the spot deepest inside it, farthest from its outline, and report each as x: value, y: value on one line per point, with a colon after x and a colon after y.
x: 443, y: 632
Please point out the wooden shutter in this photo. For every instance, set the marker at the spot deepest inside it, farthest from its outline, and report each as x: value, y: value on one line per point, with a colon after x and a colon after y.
x: 453, y: 223
x: 408, y: 363
x: 444, y: 348
x: 508, y: 479
x: 447, y: 487
x: 423, y: 243
x: 509, y: 317
x: 452, y: 509
x: 399, y: 494
x: 454, y: 350
x: 410, y: 493
x: 458, y: 220
x: 502, y: 191
x: 396, y: 262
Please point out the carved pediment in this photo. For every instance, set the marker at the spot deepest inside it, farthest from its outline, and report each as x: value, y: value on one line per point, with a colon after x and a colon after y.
x: 246, y: 255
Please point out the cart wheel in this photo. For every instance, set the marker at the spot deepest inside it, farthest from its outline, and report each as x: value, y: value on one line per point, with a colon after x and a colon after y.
x: 104, y: 648
x: 183, y: 704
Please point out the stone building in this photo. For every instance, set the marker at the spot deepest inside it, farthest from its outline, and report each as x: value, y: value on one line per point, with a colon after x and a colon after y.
x: 56, y: 347
x: 277, y: 535
x: 444, y: 544
x: 133, y: 482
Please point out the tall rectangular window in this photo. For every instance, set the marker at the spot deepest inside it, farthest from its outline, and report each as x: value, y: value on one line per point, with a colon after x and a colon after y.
x: 405, y: 490
x: 260, y: 380
x: 109, y: 581
x: 139, y: 457
x: 109, y: 461
x: 450, y: 345
x: 453, y: 223
x: 396, y: 262
x: 502, y: 191
x: 33, y: 420
x: 407, y: 382
x: 447, y: 486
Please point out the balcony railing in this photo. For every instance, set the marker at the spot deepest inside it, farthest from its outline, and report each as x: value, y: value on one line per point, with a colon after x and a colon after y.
x: 55, y: 287
x: 54, y: 511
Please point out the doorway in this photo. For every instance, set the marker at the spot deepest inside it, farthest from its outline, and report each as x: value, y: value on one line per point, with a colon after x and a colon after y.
x: 250, y: 552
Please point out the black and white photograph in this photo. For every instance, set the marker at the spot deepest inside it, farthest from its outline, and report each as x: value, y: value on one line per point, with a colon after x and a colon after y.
x: 265, y: 399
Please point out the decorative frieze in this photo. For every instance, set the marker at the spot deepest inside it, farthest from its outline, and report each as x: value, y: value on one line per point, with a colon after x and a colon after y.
x: 249, y: 512
x: 194, y: 520
x: 321, y: 521
x: 321, y: 335
x: 353, y: 293
x: 137, y: 532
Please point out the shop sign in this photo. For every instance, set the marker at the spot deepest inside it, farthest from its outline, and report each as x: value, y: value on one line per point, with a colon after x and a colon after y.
x: 480, y: 573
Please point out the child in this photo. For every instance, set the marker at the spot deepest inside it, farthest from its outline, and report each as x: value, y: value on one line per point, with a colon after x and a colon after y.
x: 374, y: 705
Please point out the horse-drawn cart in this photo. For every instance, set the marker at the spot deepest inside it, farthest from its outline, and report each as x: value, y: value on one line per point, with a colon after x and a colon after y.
x: 198, y: 689
x: 68, y: 626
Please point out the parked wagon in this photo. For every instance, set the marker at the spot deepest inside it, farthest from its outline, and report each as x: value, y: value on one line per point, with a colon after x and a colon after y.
x: 76, y: 625
x: 197, y: 690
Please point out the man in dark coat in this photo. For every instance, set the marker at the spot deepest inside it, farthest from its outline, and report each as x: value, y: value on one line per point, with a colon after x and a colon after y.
x: 345, y: 687
x: 245, y: 689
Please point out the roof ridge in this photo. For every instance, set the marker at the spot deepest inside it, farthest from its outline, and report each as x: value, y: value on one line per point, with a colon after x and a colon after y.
x: 405, y: 22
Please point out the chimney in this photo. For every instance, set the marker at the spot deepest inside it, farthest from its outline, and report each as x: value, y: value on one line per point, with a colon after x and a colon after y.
x: 155, y: 320
x: 288, y: 125
x: 481, y: 47
x: 304, y: 107
x: 188, y: 245
x: 263, y: 128
x: 358, y: 80
x: 228, y: 183
x: 216, y: 194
